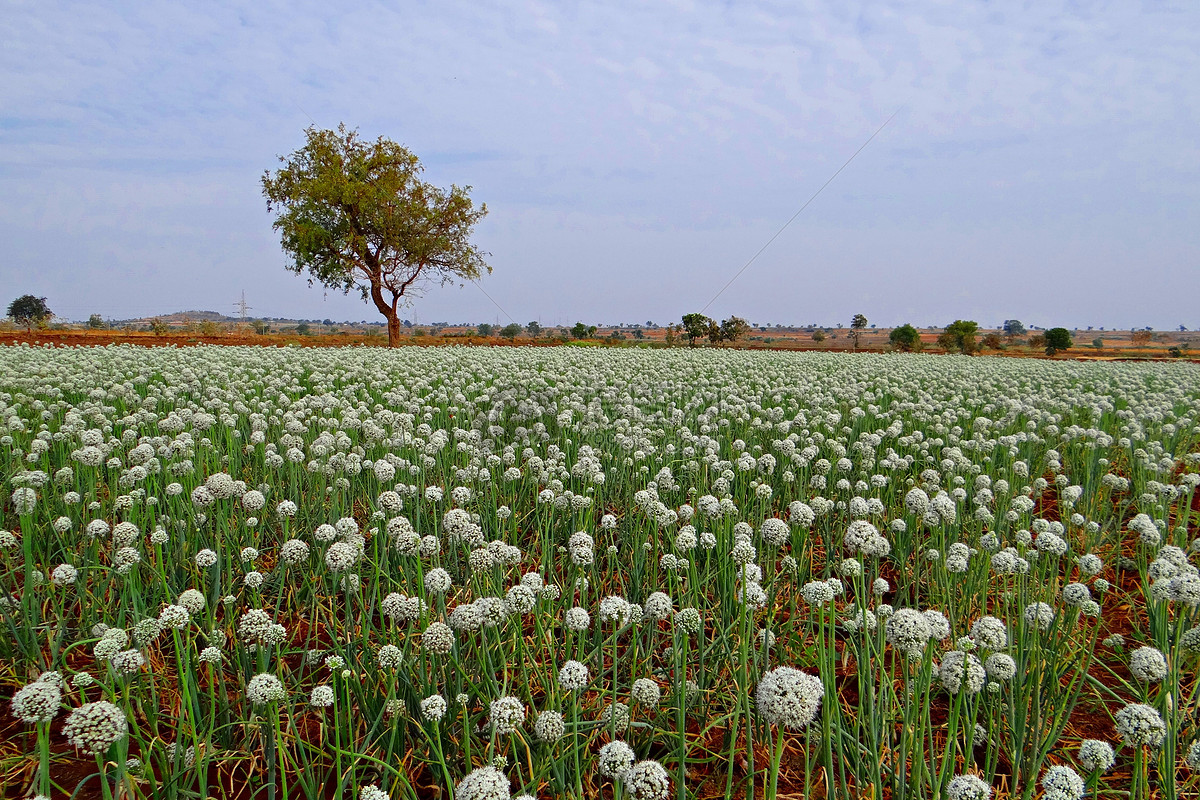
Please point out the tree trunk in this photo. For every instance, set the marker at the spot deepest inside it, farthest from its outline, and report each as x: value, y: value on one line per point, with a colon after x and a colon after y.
x: 393, y: 322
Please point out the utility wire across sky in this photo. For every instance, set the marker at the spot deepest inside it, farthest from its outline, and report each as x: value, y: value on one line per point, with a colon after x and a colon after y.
x: 746, y: 266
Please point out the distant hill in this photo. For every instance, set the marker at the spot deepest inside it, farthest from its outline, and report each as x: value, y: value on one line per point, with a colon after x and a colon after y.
x: 197, y: 316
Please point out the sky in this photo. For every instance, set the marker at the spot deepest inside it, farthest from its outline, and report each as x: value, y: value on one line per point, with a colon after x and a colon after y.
x: 1042, y: 161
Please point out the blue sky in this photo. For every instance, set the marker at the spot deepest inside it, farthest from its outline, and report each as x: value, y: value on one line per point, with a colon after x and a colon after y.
x: 1044, y: 164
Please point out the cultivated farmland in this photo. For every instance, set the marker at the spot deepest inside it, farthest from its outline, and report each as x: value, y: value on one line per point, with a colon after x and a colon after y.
x: 555, y: 572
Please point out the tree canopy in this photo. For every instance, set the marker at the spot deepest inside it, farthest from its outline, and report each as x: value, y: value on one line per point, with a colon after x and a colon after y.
x: 1013, y: 328
x: 1057, y: 340
x: 959, y: 336
x: 355, y: 215
x: 28, y: 310
x: 734, y: 328
x: 857, y: 326
x: 905, y: 338
x: 696, y: 326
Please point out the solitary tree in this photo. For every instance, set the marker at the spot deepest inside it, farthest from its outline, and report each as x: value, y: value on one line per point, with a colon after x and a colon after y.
x: 534, y: 328
x: 355, y: 215
x: 905, y: 338
x: 695, y: 326
x: 28, y: 310
x: 1140, y: 338
x: 1013, y: 328
x: 96, y: 322
x: 818, y: 335
x: 579, y: 330
x: 485, y: 329
x: 960, y: 335
x: 1057, y: 340
x: 511, y: 330
x: 857, y: 326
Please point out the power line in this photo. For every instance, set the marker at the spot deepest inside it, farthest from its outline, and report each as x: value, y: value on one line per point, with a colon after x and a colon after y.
x: 798, y: 213
x: 497, y: 305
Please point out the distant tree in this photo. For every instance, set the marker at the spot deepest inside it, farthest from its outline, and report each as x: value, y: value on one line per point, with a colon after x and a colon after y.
x: 649, y: 323
x: 260, y: 327
x: 210, y: 328
x: 818, y: 335
x: 355, y: 215
x: 533, y: 329
x: 159, y: 328
x: 959, y: 336
x: 96, y: 322
x: 670, y: 335
x: 1013, y: 328
x: 303, y: 329
x: 1037, y: 341
x: 714, y: 331
x: 616, y: 336
x: 857, y: 326
x: 1058, y: 340
x: 637, y: 334
x: 579, y: 330
x: 734, y: 328
x: 1141, y: 338
x: 695, y: 326
x: 485, y: 329
x: 905, y: 338
x: 1183, y: 328
x: 28, y: 310
x: 1098, y: 343
x: 992, y: 341
x: 511, y: 330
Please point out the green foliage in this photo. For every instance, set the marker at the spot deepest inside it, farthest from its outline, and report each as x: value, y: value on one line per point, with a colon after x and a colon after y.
x: 159, y: 328
x: 696, y: 326
x: 28, y: 310
x: 959, y: 336
x: 637, y: 333
x: 734, y: 328
x: 355, y: 215
x: 818, y: 336
x: 511, y: 330
x: 905, y: 338
x: 260, y: 327
x: 581, y: 331
x: 485, y: 329
x: 534, y: 328
x: 1058, y: 340
x: 303, y: 329
x: 1098, y: 343
x: 1013, y: 328
x: 96, y: 322
x: 992, y: 341
x: 857, y: 326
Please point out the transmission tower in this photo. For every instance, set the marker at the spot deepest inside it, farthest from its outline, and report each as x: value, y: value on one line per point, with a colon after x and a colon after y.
x: 242, y: 307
